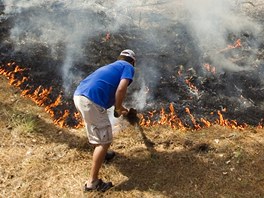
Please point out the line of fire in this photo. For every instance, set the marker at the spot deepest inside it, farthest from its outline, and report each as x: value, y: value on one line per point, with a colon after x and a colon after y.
x: 178, y: 114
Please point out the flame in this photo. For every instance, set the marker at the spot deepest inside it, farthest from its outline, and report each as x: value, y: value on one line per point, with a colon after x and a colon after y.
x: 192, y: 87
x: 40, y: 95
x: 210, y: 68
x: 61, y: 120
x: 237, y: 44
x: 12, y: 75
x: 174, y: 119
x: 206, y: 123
x: 171, y: 119
x: 50, y: 107
x: 17, y: 76
x: 165, y: 119
x: 229, y: 123
x: 196, y: 126
x: 147, y: 121
x: 77, y: 116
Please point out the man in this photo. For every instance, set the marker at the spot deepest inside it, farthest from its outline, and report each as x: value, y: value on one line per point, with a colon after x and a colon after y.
x: 104, y: 88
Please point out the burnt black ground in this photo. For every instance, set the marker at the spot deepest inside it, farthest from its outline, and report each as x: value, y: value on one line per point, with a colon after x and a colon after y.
x: 239, y: 92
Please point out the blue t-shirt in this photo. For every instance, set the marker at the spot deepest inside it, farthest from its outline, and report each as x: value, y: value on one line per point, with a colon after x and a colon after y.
x: 100, y: 86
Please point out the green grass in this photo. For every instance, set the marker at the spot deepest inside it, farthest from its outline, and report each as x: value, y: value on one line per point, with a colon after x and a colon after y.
x: 17, y: 120
x: 24, y: 122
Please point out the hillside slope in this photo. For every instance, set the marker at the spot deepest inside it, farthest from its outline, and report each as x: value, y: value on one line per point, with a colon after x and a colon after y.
x: 39, y: 159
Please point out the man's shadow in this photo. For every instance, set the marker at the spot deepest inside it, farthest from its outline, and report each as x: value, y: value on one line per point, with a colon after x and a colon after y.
x: 159, y: 171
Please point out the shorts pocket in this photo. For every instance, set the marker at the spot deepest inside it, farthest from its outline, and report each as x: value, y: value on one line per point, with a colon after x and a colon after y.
x: 100, y: 109
x: 101, y: 135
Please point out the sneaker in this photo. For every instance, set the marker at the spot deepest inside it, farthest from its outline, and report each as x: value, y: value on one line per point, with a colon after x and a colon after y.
x: 109, y: 156
x: 100, y: 186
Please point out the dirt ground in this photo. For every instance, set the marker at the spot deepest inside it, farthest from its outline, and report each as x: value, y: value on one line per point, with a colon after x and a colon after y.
x: 39, y: 159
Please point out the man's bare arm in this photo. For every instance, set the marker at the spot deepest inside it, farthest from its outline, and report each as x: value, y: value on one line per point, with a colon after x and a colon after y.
x: 120, y: 95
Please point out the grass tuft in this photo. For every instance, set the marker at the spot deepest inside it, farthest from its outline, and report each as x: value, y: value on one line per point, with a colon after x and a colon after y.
x: 24, y: 122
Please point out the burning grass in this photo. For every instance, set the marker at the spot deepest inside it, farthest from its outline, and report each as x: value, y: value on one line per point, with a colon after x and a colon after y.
x: 64, y: 114
x: 39, y: 159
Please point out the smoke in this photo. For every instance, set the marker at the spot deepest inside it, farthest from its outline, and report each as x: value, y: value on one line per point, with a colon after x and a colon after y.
x: 180, y: 32
x: 140, y: 97
x: 63, y: 23
x: 211, y: 22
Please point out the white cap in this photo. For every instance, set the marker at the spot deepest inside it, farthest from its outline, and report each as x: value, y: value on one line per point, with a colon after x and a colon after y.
x: 128, y: 53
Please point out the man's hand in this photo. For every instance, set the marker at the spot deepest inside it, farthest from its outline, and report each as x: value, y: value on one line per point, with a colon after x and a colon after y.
x: 119, y: 97
x: 120, y: 111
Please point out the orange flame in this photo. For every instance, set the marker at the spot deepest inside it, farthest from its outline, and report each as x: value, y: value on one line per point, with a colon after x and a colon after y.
x: 259, y: 125
x: 77, y: 116
x: 56, y: 103
x: 41, y: 95
x: 196, y: 126
x: 172, y: 120
x: 61, y: 120
x: 237, y: 44
x: 209, y: 68
x: 229, y: 123
x: 192, y: 87
x: 11, y: 75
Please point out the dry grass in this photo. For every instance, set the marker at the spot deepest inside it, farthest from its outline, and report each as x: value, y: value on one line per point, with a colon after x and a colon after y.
x: 39, y: 159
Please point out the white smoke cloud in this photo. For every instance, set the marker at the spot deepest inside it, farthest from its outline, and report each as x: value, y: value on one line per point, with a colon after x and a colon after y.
x: 71, y: 23
x: 74, y: 22
x: 140, y: 97
x: 211, y: 21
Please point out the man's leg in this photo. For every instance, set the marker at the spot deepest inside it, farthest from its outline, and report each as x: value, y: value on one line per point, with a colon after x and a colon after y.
x: 98, y: 159
x: 99, y: 135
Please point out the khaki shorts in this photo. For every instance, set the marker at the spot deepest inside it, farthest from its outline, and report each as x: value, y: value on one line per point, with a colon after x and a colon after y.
x: 97, y: 123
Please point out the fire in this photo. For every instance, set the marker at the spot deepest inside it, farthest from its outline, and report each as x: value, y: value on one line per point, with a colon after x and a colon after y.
x: 192, y: 87
x: 209, y: 68
x: 171, y: 119
x: 12, y: 75
x: 229, y: 123
x: 237, y: 44
x: 146, y: 121
x: 77, y: 116
x: 17, y: 77
x: 39, y: 96
x: 56, y: 103
x: 61, y: 120
x: 195, y: 124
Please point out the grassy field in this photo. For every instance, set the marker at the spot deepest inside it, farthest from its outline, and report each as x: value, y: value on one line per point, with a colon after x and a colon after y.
x: 39, y: 159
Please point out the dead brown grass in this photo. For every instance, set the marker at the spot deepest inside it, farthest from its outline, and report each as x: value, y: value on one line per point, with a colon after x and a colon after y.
x: 39, y: 159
